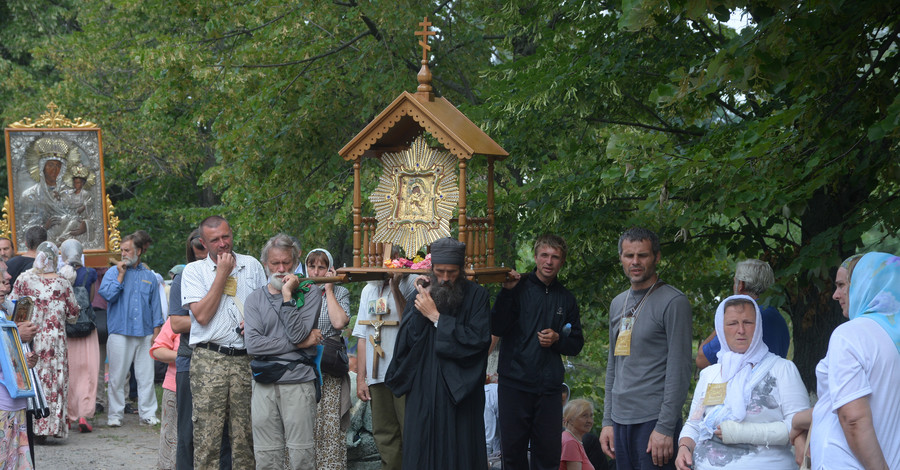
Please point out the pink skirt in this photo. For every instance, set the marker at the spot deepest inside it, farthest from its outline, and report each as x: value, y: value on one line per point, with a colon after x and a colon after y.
x: 84, y: 368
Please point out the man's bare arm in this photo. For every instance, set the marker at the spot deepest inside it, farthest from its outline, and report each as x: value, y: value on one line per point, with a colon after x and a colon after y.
x: 399, y: 300
x: 702, y: 361
x: 205, y: 308
x: 180, y: 323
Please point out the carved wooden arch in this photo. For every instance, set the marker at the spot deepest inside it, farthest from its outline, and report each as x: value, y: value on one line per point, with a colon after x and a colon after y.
x: 405, y: 105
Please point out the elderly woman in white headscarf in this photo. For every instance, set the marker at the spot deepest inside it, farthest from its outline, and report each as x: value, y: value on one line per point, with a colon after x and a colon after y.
x: 54, y: 305
x: 742, y: 407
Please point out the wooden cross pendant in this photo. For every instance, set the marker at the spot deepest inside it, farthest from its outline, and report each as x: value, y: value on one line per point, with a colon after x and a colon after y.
x: 375, y: 339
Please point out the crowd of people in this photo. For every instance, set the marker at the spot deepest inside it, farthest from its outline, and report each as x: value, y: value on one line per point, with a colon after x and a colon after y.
x: 443, y: 378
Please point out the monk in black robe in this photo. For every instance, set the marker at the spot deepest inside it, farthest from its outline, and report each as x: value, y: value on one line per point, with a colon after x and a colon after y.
x: 440, y: 358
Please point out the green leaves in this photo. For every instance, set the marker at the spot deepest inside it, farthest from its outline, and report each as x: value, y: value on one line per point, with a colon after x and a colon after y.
x: 778, y: 143
x: 889, y: 125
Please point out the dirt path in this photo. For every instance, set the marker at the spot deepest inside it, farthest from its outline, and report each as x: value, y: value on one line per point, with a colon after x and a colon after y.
x: 132, y: 446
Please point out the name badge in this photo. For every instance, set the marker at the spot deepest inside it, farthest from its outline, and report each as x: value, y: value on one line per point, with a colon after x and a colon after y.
x: 715, y: 394
x: 623, y: 342
x: 231, y: 286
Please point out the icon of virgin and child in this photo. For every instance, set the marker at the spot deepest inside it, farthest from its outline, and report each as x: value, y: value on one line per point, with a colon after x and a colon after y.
x: 61, y: 200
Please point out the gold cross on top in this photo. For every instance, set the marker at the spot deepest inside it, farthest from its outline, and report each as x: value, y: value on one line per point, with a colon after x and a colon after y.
x: 424, y: 41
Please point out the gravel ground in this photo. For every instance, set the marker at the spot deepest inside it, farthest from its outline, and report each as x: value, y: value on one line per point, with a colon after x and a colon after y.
x: 133, y: 446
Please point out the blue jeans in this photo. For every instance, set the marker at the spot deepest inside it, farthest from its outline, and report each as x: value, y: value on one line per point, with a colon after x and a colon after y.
x: 631, y: 446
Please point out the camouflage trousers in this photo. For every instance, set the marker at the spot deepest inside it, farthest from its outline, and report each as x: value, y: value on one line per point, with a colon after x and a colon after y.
x: 221, y: 387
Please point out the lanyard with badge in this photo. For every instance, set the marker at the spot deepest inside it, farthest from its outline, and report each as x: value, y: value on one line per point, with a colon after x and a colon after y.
x: 715, y: 394
x: 230, y: 290
x: 623, y: 341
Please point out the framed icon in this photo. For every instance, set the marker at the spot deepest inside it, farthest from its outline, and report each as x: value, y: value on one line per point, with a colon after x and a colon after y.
x: 16, y: 377
x: 56, y: 181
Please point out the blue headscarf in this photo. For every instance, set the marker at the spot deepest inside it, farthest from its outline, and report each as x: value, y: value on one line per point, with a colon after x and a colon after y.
x: 875, y: 292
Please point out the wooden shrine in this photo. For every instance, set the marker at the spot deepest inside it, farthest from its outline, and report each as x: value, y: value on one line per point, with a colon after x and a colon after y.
x: 421, y: 187
x: 55, y: 177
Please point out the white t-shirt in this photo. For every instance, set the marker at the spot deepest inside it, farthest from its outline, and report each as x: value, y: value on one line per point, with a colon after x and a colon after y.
x: 861, y: 361
x: 370, y: 293
x: 196, y: 280
x: 777, y: 397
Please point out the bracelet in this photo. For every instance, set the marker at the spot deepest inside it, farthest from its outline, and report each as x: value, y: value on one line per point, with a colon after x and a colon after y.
x: 686, y: 447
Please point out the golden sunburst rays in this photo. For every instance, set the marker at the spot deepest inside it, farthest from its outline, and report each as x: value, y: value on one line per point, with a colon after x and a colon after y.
x: 415, y: 197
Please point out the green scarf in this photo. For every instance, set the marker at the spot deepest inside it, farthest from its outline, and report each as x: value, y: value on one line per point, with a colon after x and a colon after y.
x: 303, y: 289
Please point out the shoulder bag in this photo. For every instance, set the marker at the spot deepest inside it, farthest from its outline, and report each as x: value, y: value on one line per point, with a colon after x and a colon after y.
x: 334, y: 357
x: 85, y: 323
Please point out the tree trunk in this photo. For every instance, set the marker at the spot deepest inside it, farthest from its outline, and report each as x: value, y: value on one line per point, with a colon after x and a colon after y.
x: 813, y: 312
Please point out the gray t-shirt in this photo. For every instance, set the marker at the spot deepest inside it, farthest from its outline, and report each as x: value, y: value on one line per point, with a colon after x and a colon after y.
x: 273, y: 329
x: 652, y: 382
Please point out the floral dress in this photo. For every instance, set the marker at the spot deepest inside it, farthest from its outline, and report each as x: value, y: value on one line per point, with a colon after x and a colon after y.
x: 54, y: 304
x: 331, y: 448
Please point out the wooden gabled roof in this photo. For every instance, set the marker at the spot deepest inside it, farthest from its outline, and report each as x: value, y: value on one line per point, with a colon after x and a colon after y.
x: 408, y: 115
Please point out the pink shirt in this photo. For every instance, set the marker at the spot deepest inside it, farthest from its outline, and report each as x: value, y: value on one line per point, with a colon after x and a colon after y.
x: 573, y: 451
x: 169, y: 340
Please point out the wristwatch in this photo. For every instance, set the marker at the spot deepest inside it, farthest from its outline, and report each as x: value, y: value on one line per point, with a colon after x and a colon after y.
x: 291, y: 303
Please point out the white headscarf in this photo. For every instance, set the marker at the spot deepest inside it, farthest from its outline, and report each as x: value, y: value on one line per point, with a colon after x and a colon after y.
x: 737, y: 368
x: 327, y: 255
x: 45, y: 258
x: 72, y: 252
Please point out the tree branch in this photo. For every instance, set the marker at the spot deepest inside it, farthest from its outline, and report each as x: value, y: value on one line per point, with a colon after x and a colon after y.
x: 881, y: 51
x: 243, y: 31
x: 295, y: 62
x: 647, y: 126
x: 717, y: 36
x: 755, y: 233
x: 440, y: 7
x: 727, y: 106
x: 373, y: 28
x: 648, y: 109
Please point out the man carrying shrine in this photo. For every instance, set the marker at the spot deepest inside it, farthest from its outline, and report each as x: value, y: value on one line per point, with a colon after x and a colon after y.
x: 538, y: 319
x: 380, y: 307
x: 439, y: 364
x: 280, y: 332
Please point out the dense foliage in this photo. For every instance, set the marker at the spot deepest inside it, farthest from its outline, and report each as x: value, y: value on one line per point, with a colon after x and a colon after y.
x: 777, y: 142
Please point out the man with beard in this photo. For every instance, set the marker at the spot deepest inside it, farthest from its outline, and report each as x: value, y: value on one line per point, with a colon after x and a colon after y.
x: 6, y: 249
x: 133, y: 318
x: 539, y: 322
x: 280, y: 330
x: 439, y: 364
x: 214, y: 290
x: 649, y: 368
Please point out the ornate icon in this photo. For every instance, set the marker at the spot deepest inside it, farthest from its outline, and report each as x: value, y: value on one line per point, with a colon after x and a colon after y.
x: 415, y: 196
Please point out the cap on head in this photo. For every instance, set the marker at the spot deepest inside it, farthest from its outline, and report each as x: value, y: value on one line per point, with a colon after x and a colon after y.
x: 448, y: 251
